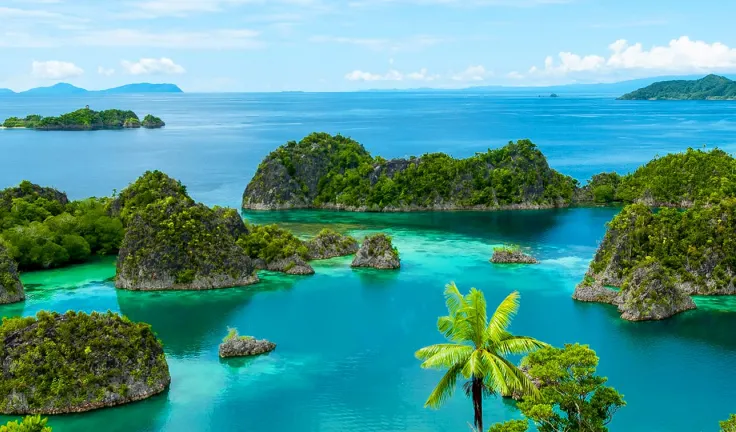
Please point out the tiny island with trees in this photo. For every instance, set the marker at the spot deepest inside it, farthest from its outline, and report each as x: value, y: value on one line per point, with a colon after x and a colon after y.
x: 711, y: 87
x: 85, y: 119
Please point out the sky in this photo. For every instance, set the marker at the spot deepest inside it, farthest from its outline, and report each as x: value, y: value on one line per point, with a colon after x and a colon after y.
x: 330, y: 45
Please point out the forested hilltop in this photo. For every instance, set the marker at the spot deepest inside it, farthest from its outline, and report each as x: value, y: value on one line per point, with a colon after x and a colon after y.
x: 712, y: 87
x: 325, y: 171
x: 86, y: 119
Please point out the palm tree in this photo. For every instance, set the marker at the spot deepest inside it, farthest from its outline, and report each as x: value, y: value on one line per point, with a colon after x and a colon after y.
x: 477, y: 350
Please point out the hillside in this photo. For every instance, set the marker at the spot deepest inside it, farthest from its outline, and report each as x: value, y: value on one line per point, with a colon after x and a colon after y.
x: 712, y: 87
x: 64, y: 89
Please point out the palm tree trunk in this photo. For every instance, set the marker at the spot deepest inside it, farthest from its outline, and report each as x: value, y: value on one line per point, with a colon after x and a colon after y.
x: 478, y: 403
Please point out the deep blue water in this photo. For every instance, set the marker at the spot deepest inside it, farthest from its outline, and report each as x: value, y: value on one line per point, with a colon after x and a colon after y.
x: 346, y: 338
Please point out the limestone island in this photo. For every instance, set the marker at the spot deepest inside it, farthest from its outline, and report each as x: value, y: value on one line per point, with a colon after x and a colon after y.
x: 235, y: 345
x: 85, y: 119
x: 659, y: 258
x: 377, y: 252
x: 11, y: 288
x: 334, y: 172
x: 276, y: 249
x: 171, y: 242
x: 511, y: 255
x: 71, y: 363
x: 330, y: 244
x: 712, y: 87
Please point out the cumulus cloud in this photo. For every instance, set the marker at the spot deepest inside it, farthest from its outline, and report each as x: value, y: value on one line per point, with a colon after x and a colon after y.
x: 472, y: 73
x: 392, y: 75
x: 682, y: 55
x: 54, y: 69
x: 105, y: 71
x: 152, y: 66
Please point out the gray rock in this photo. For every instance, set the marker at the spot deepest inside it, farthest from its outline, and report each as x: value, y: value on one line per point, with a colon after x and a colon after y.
x: 293, y: 265
x: 652, y: 293
x: 330, y: 244
x: 240, y: 346
x: 594, y: 292
x: 377, y: 252
x: 510, y: 256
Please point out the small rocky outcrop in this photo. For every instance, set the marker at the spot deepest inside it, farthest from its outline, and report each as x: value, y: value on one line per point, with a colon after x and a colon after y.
x: 652, y: 293
x: 593, y: 291
x: 81, y: 362
x: 377, y: 252
x: 293, y: 265
x: 11, y: 288
x: 152, y: 122
x: 330, y: 244
x: 507, y: 255
x: 235, y: 345
x: 173, y: 245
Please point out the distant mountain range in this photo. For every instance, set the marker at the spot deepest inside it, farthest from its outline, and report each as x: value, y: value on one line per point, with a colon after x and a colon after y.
x: 64, y: 89
x: 712, y: 87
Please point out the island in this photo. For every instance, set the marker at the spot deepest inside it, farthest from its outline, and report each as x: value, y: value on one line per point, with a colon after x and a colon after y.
x: 82, y: 362
x: 378, y: 252
x: 657, y: 258
x: 511, y: 255
x: 711, y: 87
x: 85, y: 119
x: 276, y: 249
x: 173, y: 243
x: 335, y: 172
x: 235, y: 345
x: 11, y: 288
x: 66, y: 89
x: 330, y: 244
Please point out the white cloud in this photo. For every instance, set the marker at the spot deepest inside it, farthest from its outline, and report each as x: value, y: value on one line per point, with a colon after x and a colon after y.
x: 105, y: 71
x: 214, y: 39
x: 682, y: 55
x: 151, y: 66
x: 391, y: 75
x: 472, y: 73
x: 54, y: 69
x: 412, y: 43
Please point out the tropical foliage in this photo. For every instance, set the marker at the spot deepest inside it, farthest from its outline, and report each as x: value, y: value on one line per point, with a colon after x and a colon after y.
x: 271, y: 242
x: 28, y: 424
x: 42, y: 229
x: 510, y: 426
x: 729, y: 425
x: 572, y: 396
x: 232, y: 333
x: 476, y: 351
x: 712, y: 87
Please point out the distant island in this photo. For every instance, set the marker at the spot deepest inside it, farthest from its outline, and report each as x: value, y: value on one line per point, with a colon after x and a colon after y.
x: 64, y: 89
x: 85, y: 119
x: 712, y: 87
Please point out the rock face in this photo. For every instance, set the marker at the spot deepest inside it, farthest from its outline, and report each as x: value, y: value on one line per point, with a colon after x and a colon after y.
x: 293, y: 265
x: 511, y: 256
x: 651, y: 293
x: 174, y: 245
x: 592, y: 291
x: 330, y: 244
x: 82, y: 362
x: 334, y: 172
x: 241, y: 346
x: 11, y: 289
x: 377, y: 252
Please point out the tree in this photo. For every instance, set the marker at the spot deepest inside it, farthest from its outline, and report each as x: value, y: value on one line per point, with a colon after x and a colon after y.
x: 729, y: 425
x: 28, y: 424
x: 477, y: 351
x: 510, y: 426
x: 572, y: 397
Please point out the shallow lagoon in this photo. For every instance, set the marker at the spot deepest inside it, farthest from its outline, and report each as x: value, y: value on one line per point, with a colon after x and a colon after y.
x: 346, y: 338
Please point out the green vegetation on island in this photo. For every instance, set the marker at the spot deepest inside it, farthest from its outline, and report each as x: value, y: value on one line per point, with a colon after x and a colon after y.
x: 234, y: 345
x: 511, y: 254
x: 729, y: 425
x: 476, y: 350
x: 85, y: 119
x: 324, y: 171
x: 77, y: 362
x: 377, y: 251
x: 711, y: 87
x: 11, y: 288
x: 330, y: 244
x: 42, y: 229
x: 28, y: 424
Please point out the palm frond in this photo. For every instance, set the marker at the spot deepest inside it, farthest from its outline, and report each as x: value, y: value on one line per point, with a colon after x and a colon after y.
x: 444, y: 356
x: 501, y: 318
x: 517, y: 379
x: 510, y: 344
x: 477, y: 318
x: 453, y: 298
x: 497, y: 377
x: 444, y: 389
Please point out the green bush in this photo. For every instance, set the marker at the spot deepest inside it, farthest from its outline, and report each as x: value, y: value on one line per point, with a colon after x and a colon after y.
x: 28, y: 424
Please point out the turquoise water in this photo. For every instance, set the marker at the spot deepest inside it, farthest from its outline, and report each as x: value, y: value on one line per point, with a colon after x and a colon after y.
x: 346, y: 338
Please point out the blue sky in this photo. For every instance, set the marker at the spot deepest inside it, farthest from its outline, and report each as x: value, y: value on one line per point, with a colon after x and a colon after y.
x: 328, y: 45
